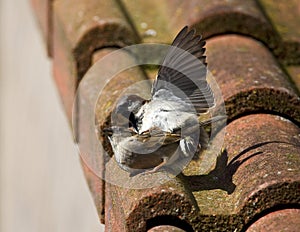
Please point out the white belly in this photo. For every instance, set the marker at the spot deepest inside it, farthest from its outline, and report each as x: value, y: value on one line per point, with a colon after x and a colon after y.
x: 164, y: 115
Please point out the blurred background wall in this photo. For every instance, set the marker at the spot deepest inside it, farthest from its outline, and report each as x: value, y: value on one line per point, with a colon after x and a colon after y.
x: 42, y: 186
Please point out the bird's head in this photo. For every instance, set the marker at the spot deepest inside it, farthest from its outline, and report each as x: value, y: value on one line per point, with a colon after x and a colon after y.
x: 125, y: 110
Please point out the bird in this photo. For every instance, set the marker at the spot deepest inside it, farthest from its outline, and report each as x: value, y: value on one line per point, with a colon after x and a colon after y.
x: 164, y: 132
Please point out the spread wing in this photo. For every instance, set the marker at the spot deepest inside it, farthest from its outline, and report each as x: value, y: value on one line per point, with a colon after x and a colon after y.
x: 183, y: 72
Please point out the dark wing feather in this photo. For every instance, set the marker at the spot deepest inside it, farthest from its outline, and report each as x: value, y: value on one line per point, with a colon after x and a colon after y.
x: 184, y: 73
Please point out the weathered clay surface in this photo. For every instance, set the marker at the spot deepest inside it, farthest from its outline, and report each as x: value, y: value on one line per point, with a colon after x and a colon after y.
x: 44, y: 13
x: 80, y: 28
x: 281, y: 220
x: 250, y: 78
x: 253, y: 183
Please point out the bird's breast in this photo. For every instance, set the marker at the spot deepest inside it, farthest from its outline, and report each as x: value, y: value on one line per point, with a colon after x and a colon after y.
x: 164, y: 115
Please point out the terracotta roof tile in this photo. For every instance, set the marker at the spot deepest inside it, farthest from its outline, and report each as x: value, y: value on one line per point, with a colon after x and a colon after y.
x: 209, y: 17
x: 166, y: 228
x: 258, y: 170
x: 44, y: 12
x: 96, y: 186
x: 285, y: 18
x: 258, y: 155
x: 102, y: 112
x: 157, y: 21
x: 281, y: 220
x: 80, y: 28
x: 139, y: 210
x: 294, y: 72
x: 250, y: 78
x: 253, y: 185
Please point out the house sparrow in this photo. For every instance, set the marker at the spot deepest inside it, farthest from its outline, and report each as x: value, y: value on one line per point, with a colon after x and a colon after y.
x: 165, y: 131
